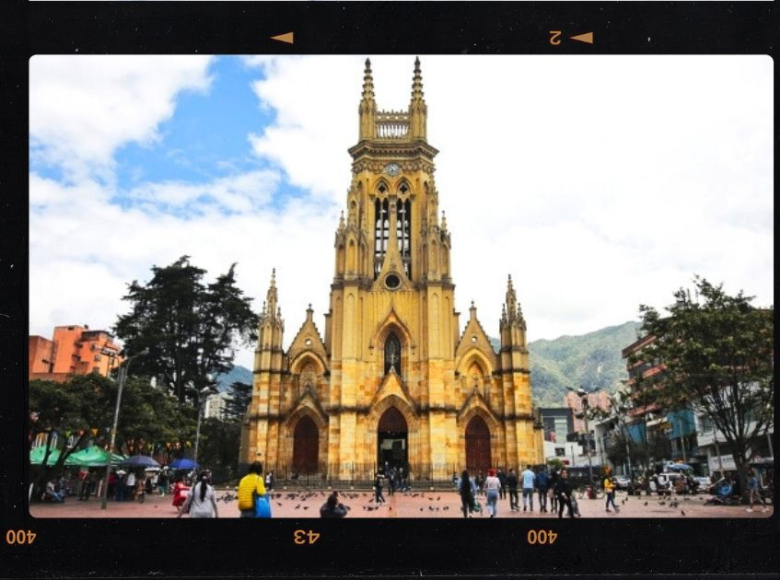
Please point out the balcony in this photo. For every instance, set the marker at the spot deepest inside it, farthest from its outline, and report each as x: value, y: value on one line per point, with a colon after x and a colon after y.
x: 392, y: 125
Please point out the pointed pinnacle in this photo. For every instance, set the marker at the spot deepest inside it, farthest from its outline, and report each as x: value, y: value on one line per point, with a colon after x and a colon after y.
x: 417, y: 92
x: 368, y: 83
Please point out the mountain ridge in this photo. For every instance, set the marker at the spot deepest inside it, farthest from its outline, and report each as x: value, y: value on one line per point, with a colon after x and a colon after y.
x: 592, y: 360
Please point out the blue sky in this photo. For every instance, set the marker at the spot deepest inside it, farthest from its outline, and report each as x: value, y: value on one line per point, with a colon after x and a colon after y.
x: 595, y: 202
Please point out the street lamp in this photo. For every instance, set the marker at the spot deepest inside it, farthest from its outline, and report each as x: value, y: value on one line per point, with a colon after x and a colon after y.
x: 619, y: 409
x: 583, y: 395
x: 201, y: 405
x: 123, y: 370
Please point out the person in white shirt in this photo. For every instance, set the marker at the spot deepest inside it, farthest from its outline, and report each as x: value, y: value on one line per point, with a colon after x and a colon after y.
x: 492, y: 487
x: 130, y: 485
x: 528, y: 477
x: 202, y: 502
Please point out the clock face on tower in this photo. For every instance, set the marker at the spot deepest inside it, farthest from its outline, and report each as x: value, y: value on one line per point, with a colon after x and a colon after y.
x: 392, y: 169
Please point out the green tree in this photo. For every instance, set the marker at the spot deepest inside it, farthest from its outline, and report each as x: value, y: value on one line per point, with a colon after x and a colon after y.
x: 190, y: 328
x: 219, y: 442
x: 87, y: 402
x: 237, y: 404
x: 716, y: 352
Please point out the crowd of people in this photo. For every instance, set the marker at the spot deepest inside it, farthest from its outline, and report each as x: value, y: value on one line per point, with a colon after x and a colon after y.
x: 552, y: 489
x: 132, y: 485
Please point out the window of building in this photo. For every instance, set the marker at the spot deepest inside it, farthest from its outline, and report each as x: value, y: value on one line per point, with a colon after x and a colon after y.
x: 403, y: 233
x: 392, y: 354
x: 381, y: 233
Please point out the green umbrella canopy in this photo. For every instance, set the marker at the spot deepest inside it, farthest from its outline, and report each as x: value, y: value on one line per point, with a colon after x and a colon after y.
x: 92, y: 457
x: 37, y: 455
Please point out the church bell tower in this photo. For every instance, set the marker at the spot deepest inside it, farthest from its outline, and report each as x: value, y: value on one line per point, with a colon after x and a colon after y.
x: 393, y: 384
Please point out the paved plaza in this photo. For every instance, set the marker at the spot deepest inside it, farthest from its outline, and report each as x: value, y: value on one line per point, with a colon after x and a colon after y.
x: 413, y: 504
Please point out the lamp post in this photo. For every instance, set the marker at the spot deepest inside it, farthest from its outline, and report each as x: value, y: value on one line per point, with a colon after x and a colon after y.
x: 619, y: 410
x: 123, y: 370
x: 201, y: 405
x: 583, y: 394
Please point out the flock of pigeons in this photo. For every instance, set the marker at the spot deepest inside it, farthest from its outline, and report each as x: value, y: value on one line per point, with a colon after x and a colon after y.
x: 300, y: 498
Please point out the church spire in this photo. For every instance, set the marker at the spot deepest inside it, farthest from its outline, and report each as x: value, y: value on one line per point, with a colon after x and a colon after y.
x: 367, y: 107
x: 417, y: 92
x: 272, y: 298
x: 418, y: 110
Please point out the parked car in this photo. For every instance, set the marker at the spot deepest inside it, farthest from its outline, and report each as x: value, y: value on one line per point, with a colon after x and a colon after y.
x: 704, y: 483
x: 665, y: 483
x: 622, y: 481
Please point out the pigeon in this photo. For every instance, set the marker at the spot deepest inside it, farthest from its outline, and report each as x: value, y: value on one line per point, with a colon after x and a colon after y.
x: 279, y: 503
x: 661, y: 503
x: 682, y: 512
x: 305, y: 507
x: 298, y: 506
x: 645, y: 503
x: 438, y: 498
x: 421, y: 509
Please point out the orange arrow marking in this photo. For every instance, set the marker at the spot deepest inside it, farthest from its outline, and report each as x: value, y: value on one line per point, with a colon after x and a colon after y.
x: 286, y: 37
x: 587, y: 37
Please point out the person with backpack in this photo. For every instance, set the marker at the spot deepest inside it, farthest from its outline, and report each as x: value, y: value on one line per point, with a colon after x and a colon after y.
x: 542, y: 482
x: 250, y: 488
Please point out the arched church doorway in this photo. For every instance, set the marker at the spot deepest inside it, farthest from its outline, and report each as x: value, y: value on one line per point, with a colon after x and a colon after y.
x: 306, y: 441
x: 393, y: 440
x: 477, y: 446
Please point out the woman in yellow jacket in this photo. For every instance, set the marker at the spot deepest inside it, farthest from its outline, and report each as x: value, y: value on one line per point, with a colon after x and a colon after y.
x: 250, y: 487
x: 609, y: 490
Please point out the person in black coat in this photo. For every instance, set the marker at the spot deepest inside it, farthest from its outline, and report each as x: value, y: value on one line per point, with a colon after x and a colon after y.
x: 564, y: 491
x: 332, y: 508
x: 466, y: 497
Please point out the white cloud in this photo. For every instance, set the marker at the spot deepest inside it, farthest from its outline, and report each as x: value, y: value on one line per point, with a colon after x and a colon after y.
x: 83, y: 108
x: 599, y: 183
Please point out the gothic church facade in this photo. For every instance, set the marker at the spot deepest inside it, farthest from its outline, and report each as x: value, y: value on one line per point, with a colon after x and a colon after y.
x: 391, y: 381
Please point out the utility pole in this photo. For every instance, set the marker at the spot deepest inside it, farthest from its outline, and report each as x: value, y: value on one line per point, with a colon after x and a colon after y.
x: 123, y: 370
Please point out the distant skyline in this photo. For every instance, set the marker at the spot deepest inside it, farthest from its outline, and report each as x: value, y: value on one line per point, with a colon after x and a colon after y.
x: 610, y: 181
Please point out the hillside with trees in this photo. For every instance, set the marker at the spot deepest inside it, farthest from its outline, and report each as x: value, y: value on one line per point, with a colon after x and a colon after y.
x: 591, y: 360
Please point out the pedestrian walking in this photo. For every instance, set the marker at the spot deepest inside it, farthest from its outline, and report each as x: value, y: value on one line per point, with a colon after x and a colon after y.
x: 528, y: 477
x: 87, y: 485
x: 332, y: 508
x: 179, y: 492
x: 565, y: 493
x: 130, y: 485
x: 492, y: 487
x: 542, y: 482
x: 120, y: 487
x: 391, y: 481
x: 511, y: 483
x: 466, y: 494
x: 202, y: 502
x: 609, y: 491
x: 250, y: 488
x: 378, y: 483
x: 754, y: 491
x: 502, y: 478
x: 162, y: 483
x: 480, y: 481
x: 554, y: 477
